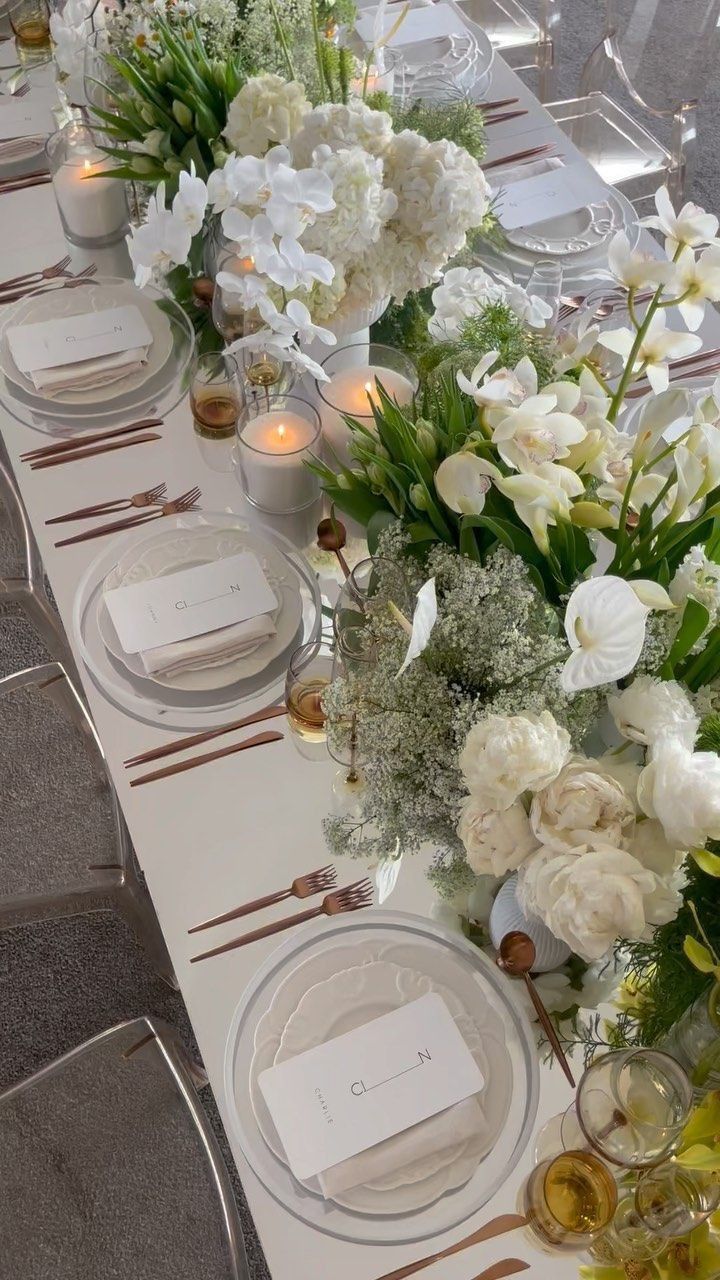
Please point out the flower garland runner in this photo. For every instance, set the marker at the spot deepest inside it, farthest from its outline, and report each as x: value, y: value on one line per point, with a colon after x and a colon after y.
x: 566, y: 649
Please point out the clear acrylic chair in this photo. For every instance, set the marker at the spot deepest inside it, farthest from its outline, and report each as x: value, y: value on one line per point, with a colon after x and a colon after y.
x: 109, y: 1168
x: 525, y: 41
x: 22, y: 578
x: 64, y: 846
x: 635, y: 117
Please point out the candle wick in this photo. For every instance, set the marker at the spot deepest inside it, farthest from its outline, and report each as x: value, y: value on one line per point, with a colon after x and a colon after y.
x: 281, y: 431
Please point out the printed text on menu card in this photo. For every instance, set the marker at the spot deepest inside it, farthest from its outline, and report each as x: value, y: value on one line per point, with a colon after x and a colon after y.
x: 50, y: 344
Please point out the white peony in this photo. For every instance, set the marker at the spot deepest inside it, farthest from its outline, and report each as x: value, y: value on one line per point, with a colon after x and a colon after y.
x: 651, y: 847
x: 506, y: 755
x: 338, y: 126
x: 650, y: 709
x: 362, y: 204
x: 267, y: 110
x: 697, y: 577
x: 496, y: 842
x: 592, y: 897
x: 581, y: 805
x: 681, y: 788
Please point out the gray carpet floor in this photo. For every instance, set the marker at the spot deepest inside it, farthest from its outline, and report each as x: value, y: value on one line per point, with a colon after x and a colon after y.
x: 62, y: 982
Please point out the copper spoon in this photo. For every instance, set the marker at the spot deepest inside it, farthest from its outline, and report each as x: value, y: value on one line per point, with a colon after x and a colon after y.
x: 332, y: 536
x: 517, y: 957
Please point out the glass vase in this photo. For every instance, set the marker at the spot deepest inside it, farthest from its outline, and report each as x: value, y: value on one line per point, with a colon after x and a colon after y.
x: 695, y: 1041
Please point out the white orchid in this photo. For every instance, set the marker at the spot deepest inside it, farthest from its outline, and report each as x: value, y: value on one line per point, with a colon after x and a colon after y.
x: 504, y: 386
x: 251, y: 288
x: 542, y: 497
x: 658, y: 346
x: 295, y: 321
x: 253, y: 237
x: 657, y: 414
x: 528, y: 307
x: 697, y: 281
x: 246, y: 180
x: 605, y: 626
x: 462, y: 481
x: 691, y: 226
x: 537, y: 432
x: 292, y: 268
x: 191, y: 200
x: 297, y: 197
x: 162, y: 242
x: 635, y: 269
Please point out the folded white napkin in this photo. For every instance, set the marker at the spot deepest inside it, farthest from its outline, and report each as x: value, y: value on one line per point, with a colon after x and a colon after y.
x: 436, y: 1134
x: 214, y: 649
x: 98, y: 372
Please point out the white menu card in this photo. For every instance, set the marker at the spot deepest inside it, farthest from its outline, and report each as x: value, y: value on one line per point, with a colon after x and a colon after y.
x: 546, y: 195
x: 189, y: 603
x: 71, y: 339
x: 21, y: 118
x: 352, y: 1092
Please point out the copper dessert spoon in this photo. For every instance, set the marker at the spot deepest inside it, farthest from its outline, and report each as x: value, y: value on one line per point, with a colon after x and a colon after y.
x: 332, y: 536
x: 516, y: 957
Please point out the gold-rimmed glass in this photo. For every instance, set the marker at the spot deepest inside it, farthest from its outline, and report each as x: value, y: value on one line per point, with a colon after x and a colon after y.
x: 631, y: 1106
x: 671, y: 1200
x: 570, y: 1200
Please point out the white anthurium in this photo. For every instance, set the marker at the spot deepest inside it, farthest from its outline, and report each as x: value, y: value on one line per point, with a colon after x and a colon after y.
x: 691, y: 226
x: 697, y: 281
x: 536, y: 433
x: 605, y: 626
x: 659, y: 345
x: 462, y: 481
x: 386, y: 877
x: 424, y: 619
x: 504, y: 386
x: 657, y: 414
x: 635, y: 269
x: 191, y: 200
x: 542, y: 497
x: 162, y: 242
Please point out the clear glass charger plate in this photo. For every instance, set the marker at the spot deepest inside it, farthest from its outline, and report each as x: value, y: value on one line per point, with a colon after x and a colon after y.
x: 180, y: 709
x: 578, y: 268
x: 377, y: 927
x: 154, y: 396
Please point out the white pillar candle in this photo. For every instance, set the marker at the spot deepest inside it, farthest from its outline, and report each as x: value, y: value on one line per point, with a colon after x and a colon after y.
x: 347, y: 392
x: 93, y: 208
x: 273, y: 448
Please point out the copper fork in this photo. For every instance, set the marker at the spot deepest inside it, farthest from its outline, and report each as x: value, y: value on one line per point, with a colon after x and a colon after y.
x: 69, y: 282
x: 352, y: 898
x: 45, y: 273
x: 303, y: 887
x: 186, y: 502
x: 150, y: 498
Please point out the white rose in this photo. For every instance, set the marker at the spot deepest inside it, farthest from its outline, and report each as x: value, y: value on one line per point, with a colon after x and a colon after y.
x: 495, y: 842
x: 583, y: 804
x: 592, y: 898
x: 267, y: 110
x: 681, y: 788
x: 506, y: 755
x: 650, y: 709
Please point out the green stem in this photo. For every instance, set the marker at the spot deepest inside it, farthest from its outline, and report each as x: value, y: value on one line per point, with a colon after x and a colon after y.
x: 318, y: 51
x: 368, y: 64
x: 282, y: 41
x: 631, y: 552
x: 602, y: 382
x: 622, y: 518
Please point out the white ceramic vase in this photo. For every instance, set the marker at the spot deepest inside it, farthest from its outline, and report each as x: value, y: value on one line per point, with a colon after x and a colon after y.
x: 507, y: 916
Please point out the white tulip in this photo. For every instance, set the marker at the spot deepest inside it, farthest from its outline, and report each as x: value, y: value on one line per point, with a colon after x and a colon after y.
x: 651, y: 709
x: 691, y: 226
x: 681, y: 788
x: 462, y: 481
x: 605, y: 627
x: 658, y: 346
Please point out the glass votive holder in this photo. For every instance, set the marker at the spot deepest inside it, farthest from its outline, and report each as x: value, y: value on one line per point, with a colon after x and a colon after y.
x: 276, y: 437
x: 631, y: 1106
x: 30, y: 24
x: 387, y: 78
x: 216, y: 395
x: 354, y: 372
x: 570, y: 1200
x: 93, y: 207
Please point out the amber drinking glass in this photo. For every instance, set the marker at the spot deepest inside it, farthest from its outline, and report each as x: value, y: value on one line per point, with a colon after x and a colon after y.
x: 570, y: 1200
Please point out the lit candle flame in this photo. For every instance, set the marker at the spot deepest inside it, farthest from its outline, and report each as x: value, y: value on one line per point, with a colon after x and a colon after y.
x: 368, y: 387
x: 281, y: 432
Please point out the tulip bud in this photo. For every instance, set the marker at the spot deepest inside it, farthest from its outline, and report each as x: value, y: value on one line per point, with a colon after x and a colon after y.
x: 173, y: 166
x: 342, y: 481
x: 143, y: 166
x: 148, y: 114
x: 218, y: 73
x: 220, y: 155
x: 425, y: 436
x: 590, y: 515
x: 417, y: 497
x: 183, y: 115
x: 164, y: 68
x: 376, y: 475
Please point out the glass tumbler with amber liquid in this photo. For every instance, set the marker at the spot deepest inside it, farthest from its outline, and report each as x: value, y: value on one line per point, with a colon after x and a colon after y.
x: 309, y: 674
x: 30, y: 23
x: 216, y: 395
x: 570, y: 1200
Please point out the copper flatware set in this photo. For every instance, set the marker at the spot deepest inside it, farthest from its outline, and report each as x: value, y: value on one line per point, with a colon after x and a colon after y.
x: 497, y: 1227
x: 34, y: 287
x: 177, y: 506
x: 147, y: 498
x: 303, y: 887
x: 207, y: 735
x: 181, y: 766
x: 76, y: 447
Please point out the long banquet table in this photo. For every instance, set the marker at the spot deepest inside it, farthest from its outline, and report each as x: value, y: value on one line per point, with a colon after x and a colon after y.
x: 249, y: 823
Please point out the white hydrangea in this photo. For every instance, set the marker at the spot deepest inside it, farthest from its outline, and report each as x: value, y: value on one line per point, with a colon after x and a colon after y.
x: 697, y: 577
x: 362, y: 204
x: 463, y: 292
x: 267, y: 110
x: 442, y: 194
x: 650, y: 709
x: 338, y: 126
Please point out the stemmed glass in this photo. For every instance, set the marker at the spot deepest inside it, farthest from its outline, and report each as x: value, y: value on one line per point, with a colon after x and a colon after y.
x: 630, y: 1108
x: 376, y: 587
x: 671, y: 1200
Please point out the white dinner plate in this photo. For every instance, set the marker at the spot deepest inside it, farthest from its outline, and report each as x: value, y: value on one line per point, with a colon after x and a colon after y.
x: 588, y: 228
x: 56, y: 304
x: 173, y: 550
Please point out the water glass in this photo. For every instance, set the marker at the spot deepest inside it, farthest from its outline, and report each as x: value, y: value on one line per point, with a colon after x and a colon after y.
x: 216, y: 395
x: 570, y: 1200
x: 30, y: 23
x: 546, y: 283
x: 632, y: 1105
x: 695, y: 1041
x: 375, y: 588
x: 671, y: 1200
x: 627, y: 1239
x: 309, y: 673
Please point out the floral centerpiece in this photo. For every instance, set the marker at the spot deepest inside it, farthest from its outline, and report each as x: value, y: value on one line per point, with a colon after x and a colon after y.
x: 549, y: 718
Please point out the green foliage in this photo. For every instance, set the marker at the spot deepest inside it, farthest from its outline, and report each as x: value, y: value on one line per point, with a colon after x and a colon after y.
x: 709, y: 734
x: 460, y: 122
x: 404, y: 327
x: 495, y: 328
